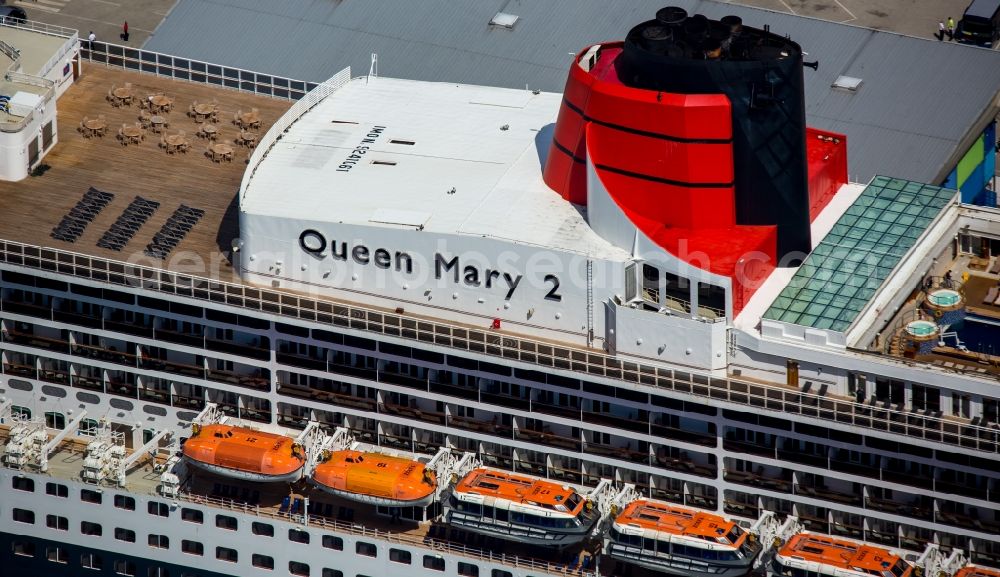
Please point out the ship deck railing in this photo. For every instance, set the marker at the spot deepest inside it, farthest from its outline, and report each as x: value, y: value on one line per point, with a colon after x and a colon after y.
x: 752, y: 395
x: 427, y: 542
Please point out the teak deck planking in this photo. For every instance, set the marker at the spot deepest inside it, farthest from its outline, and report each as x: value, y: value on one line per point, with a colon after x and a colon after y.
x: 30, y: 208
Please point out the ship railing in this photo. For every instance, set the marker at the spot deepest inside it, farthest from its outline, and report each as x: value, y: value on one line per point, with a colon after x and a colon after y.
x: 754, y: 396
x: 317, y: 94
x: 433, y: 544
x: 197, y: 71
x: 41, y: 27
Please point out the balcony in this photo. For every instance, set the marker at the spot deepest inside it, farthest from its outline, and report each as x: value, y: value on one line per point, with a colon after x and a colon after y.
x: 261, y: 352
x: 620, y: 453
x: 254, y: 414
x: 734, y: 507
x: 251, y: 381
x: 36, y: 341
x: 54, y: 375
x: 882, y: 537
x: 412, y: 412
x: 827, y: 494
x: 20, y: 370
x: 497, y: 460
x: 557, y: 410
x: 530, y: 467
x: 703, y: 501
x: 747, y: 447
x: 195, y: 339
x: 684, y: 464
x: 631, y: 423
x: 508, y: 401
x: 88, y: 380
x: 166, y: 366
x: 403, y: 380
x: 970, y: 521
x: 814, y: 523
x: 915, y: 479
x: 354, y: 371
x: 667, y: 494
x: 855, y: 469
x: 93, y: 321
x: 474, y: 425
x: 911, y: 509
x: 847, y: 529
x: 758, y: 479
x: 395, y: 441
x: 155, y: 395
x: 548, y: 438
x: 704, y: 439
x: 455, y: 391
x: 109, y: 355
x: 565, y: 475
x: 301, y: 361
x: 796, y: 456
x: 28, y: 309
x: 118, y: 324
x: 965, y: 490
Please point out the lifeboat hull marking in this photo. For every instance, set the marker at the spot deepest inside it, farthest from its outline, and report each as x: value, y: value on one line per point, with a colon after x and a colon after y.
x: 247, y: 475
x: 372, y: 500
x: 678, y: 566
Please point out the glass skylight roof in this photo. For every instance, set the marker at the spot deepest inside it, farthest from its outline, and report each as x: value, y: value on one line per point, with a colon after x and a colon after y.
x: 846, y: 269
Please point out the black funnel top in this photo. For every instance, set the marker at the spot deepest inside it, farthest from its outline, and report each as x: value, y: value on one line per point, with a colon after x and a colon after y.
x: 761, y: 74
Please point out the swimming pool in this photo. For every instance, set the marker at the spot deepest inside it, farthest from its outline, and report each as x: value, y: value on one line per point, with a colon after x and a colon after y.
x: 978, y: 334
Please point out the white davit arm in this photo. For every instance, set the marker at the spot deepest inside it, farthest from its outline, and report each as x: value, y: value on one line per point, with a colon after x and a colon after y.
x: 43, y: 458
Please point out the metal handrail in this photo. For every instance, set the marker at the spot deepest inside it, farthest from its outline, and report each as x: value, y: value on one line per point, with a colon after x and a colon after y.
x: 197, y: 71
x: 373, y: 533
x: 695, y: 386
x: 42, y: 27
x: 304, y: 104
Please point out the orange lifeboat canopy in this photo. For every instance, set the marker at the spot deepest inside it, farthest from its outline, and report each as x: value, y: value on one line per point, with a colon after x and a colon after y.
x: 245, y: 453
x: 376, y: 478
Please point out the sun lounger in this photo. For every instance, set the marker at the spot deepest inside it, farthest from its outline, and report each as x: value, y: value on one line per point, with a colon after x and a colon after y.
x: 991, y: 295
x: 995, y: 269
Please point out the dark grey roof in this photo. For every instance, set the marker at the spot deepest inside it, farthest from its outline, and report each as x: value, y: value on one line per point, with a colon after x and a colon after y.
x: 919, y: 104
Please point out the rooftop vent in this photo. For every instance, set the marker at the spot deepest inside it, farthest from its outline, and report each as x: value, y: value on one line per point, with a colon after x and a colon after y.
x: 847, y: 83
x: 503, y: 19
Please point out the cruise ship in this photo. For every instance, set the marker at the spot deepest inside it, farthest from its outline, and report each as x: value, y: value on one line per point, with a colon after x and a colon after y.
x: 252, y: 326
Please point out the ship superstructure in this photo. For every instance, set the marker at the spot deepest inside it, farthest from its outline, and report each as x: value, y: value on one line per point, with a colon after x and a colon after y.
x: 576, y: 295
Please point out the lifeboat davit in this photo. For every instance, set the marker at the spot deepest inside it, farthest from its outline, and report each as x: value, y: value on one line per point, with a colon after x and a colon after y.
x: 376, y: 479
x: 246, y: 454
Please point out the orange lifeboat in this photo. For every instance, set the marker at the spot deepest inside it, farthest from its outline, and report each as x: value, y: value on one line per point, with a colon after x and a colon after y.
x: 836, y: 557
x: 243, y: 453
x: 376, y: 479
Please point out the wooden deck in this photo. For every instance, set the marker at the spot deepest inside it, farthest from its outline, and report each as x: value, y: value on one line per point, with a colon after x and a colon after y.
x: 29, y: 209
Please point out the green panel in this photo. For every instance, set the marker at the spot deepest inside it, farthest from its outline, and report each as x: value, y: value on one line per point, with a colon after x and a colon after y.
x: 843, y: 273
x: 970, y: 161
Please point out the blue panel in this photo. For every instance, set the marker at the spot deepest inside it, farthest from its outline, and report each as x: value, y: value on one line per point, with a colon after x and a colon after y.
x: 990, y: 159
x: 973, y: 189
x: 950, y: 181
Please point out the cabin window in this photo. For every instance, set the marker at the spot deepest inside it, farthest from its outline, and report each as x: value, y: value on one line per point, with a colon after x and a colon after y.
x: 23, y: 484
x: 434, y: 562
x: 926, y: 398
x: 192, y: 547
x: 333, y: 542
x: 298, y: 568
x: 262, y: 561
x: 23, y: 548
x: 158, y: 509
x: 56, y: 490
x: 125, y: 502
x: 225, y: 522
x: 366, y: 549
x: 262, y: 529
x: 91, y: 529
x: 711, y: 298
x: 17, y: 411
x: 91, y: 561
x: 56, y: 522
x: 400, y: 556
x: 24, y: 516
x: 650, y: 283
x: 126, y: 568
x: 157, y: 571
x: 298, y: 536
x: 89, y: 496
x: 158, y: 541
x: 126, y: 535
x: 332, y: 573
x: 56, y: 554
x: 226, y: 554
x: 54, y: 420
x: 192, y: 515
x: 468, y: 569
x: 501, y: 573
